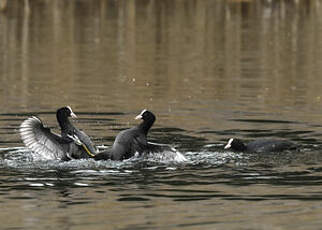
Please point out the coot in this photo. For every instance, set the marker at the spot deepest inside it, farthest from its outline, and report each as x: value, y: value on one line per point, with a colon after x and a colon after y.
x: 260, y: 146
x: 130, y: 141
x: 71, y: 144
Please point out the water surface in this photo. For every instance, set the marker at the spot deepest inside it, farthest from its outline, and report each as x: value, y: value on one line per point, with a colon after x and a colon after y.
x: 209, y: 70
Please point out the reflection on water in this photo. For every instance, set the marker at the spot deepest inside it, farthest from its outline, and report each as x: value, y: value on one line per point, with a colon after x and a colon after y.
x: 209, y: 70
x: 173, y: 51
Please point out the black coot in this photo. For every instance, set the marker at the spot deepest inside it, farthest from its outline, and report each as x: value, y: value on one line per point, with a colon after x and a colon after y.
x: 260, y: 146
x: 130, y: 141
x: 71, y: 144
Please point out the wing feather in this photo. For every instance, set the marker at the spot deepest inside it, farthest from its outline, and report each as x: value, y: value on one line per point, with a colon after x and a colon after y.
x: 41, y: 140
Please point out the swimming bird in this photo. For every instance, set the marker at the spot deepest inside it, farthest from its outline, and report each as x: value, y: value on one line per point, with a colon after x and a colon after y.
x: 260, y: 146
x: 71, y: 144
x: 130, y: 141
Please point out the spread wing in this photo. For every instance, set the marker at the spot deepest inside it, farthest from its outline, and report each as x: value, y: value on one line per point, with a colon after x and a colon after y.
x: 41, y: 140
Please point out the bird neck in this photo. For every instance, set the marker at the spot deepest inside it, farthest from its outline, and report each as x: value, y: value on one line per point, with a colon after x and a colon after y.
x: 146, y: 125
x: 64, y: 122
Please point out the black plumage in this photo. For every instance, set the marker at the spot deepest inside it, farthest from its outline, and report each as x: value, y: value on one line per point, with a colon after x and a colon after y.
x: 260, y: 146
x: 130, y: 141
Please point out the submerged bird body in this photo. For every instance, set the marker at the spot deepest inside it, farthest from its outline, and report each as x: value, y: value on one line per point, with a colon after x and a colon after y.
x: 260, y: 146
x: 270, y: 145
x: 71, y: 144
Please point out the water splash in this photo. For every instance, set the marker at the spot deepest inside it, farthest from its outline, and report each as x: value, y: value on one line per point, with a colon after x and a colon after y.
x: 23, y: 158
